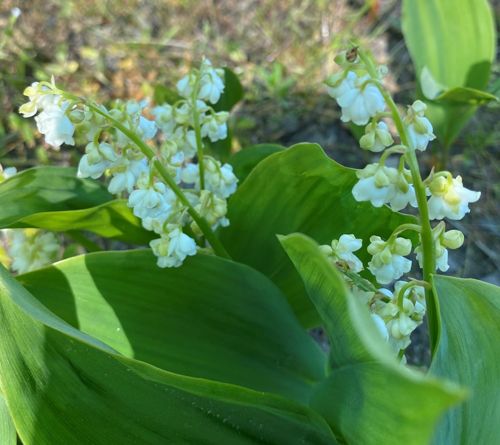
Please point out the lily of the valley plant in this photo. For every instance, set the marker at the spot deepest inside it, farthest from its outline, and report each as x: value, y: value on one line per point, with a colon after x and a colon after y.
x: 208, y: 343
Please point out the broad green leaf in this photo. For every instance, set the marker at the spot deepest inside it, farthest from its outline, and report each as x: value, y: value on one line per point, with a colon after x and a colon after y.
x: 211, y: 318
x: 245, y: 160
x: 8, y: 434
x: 53, y: 198
x: 64, y: 387
x: 452, y: 45
x: 232, y: 94
x: 368, y: 397
x: 163, y: 94
x: 298, y: 189
x: 465, y: 95
x: 468, y: 353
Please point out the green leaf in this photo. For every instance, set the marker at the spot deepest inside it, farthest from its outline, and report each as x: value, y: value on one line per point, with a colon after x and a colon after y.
x: 8, y: 434
x: 468, y: 353
x: 368, y: 397
x: 194, y: 320
x: 299, y: 189
x: 163, y: 94
x: 452, y: 45
x: 466, y: 95
x: 232, y: 94
x: 64, y: 387
x: 245, y: 160
x: 53, y: 198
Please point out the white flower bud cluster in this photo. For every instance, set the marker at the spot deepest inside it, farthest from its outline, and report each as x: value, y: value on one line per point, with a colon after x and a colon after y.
x: 398, y: 313
x: 395, y: 314
x: 108, y: 151
x: 28, y: 249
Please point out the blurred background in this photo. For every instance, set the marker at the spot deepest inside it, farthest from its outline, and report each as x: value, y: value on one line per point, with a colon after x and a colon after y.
x: 282, y: 51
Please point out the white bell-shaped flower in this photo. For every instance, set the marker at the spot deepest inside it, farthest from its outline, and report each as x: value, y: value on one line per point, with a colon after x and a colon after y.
x: 403, y: 192
x: 419, y: 128
x: 214, y: 126
x: 39, y: 98
x: 388, y: 261
x: 173, y: 247
x: 53, y: 122
x: 6, y: 173
x: 359, y: 99
x: 376, y: 184
x: 164, y: 117
x: 377, y: 137
x: 449, y: 198
x: 30, y: 249
x: 211, y: 82
x: 126, y: 173
x: 219, y: 179
x: 443, y: 240
x: 96, y: 160
x: 341, y: 252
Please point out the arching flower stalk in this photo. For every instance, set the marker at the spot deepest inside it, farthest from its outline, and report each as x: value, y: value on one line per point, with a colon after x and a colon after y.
x: 176, y: 190
x: 359, y: 91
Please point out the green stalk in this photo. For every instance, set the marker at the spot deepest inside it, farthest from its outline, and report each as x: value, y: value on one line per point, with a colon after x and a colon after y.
x: 150, y: 154
x: 197, y: 132
x: 426, y: 232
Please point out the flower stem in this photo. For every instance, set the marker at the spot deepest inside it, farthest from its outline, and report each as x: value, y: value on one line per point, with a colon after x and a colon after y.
x: 150, y: 154
x: 426, y: 232
x: 197, y: 132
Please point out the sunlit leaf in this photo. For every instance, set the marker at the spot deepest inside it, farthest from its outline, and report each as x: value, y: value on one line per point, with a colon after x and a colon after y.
x: 452, y: 44
x: 53, y: 198
x: 193, y: 320
x: 65, y: 387
x: 468, y: 353
x: 298, y: 189
x: 368, y: 398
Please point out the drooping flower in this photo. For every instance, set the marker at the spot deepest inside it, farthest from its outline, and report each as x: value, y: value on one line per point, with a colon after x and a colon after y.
x: 53, y: 122
x: 173, y: 247
x: 96, y: 160
x: 39, y: 95
x: 30, y: 249
x: 359, y: 99
x: 419, y: 128
x: 214, y: 126
x: 377, y: 137
x: 212, y: 82
x: 443, y: 240
x: 6, y: 173
x: 449, y: 198
x: 403, y: 192
x: 125, y: 173
x: 341, y: 252
x: 376, y: 184
x: 388, y: 261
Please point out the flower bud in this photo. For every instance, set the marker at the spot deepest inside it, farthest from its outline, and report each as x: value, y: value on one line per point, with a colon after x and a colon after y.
x: 452, y: 239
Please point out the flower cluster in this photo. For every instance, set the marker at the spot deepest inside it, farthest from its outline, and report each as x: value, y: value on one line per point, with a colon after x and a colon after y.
x: 395, y: 314
x: 24, y: 250
x: 28, y: 249
x: 359, y: 92
x: 115, y: 146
